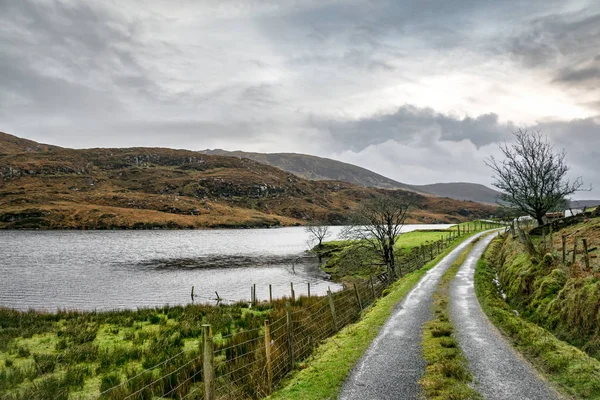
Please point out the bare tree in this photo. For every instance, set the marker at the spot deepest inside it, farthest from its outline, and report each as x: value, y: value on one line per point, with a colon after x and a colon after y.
x: 318, y: 233
x: 532, y: 177
x: 376, y: 225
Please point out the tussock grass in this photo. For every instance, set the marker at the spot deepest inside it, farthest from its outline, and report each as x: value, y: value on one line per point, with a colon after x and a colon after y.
x: 446, y: 375
x: 574, y: 372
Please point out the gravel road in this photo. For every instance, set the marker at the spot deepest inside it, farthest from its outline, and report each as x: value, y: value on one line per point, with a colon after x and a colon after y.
x: 393, y: 364
x: 500, y: 373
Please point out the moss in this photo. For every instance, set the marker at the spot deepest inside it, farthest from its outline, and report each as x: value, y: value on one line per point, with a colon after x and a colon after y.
x: 549, y: 294
x: 572, y: 370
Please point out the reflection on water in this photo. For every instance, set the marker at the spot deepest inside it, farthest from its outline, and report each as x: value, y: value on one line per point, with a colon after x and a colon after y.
x: 104, y: 270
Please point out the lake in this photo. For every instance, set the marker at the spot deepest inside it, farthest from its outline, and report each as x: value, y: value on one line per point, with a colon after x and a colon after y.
x: 105, y: 270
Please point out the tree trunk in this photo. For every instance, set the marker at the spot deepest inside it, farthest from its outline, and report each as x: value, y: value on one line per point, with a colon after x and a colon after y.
x: 540, y: 221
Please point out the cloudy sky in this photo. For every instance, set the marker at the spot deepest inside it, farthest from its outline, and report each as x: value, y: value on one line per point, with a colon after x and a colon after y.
x: 420, y: 91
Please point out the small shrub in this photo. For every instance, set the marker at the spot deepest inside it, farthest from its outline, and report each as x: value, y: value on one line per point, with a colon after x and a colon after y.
x: 45, y: 363
x: 109, y: 381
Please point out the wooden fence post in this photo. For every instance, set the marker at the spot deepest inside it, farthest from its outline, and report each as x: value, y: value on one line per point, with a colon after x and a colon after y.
x: 308, y: 286
x: 332, y: 307
x: 372, y: 286
x: 358, y: 297
x: 268, y: 355
x: 192, y: 293
x: 208, y: 368
x: 254, y: 293
x: 292, y: 291
x: 290, y: 334
x: 564, y: 249
x: 586, y: 254
x: 270, y: 294
x: 574, y: 250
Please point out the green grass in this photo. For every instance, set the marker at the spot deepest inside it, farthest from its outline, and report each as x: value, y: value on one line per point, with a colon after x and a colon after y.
x: 447, y: 374
x: 570, y: 369
x: 342, y: 264
x: 326, y: 370
x: 52, y: 355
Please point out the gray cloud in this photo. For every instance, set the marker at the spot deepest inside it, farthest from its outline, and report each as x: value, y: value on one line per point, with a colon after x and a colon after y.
x: 410, y: 124
x: 583, y: 75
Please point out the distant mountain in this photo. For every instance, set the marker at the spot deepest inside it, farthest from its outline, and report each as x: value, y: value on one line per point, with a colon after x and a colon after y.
x: 462, y: 191
x: 48, y: 187
x: 584, y: 203
x: 318, y: 168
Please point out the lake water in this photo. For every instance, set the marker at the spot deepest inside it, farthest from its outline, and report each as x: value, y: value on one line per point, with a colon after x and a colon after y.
x: 105, y: 270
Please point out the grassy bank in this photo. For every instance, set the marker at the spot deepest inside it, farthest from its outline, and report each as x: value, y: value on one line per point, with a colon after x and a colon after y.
x: 326, y: 370
x: 563, y: 298
x: 345, y: 262
x: 573, y: 371
x: 446, y: 375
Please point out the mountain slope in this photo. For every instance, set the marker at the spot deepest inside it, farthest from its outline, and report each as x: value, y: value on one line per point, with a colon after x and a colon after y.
x: 10, y: 144
x: 318, y: 168
x: 156, y: 188
x: 462, y: 191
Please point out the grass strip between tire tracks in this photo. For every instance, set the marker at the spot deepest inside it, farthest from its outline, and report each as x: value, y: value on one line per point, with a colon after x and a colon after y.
x: 447, y: 375
x: 570, y: 369
x: 324, y: 373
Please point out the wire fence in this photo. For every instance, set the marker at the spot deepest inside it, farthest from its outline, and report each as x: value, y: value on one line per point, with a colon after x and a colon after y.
x: 249, y: 364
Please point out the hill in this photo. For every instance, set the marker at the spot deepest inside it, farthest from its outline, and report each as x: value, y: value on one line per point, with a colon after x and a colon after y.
x: 462, y: 191
x: 52, y: 187
x: 10, y: 144
x: 318, y: 168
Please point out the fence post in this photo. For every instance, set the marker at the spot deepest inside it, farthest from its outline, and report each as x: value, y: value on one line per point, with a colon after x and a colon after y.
x: 458, y: 233
x: 574, y: 249
x: 564, y: 249
x: 268, y: 355
x: 372, y: 286
x: 332, y: 307
x: 208, y: 369
x: 586, y: 254
x: 290, y: 333
x: 358, y: 298
x: 270, y: 294
x: 292, y: 291
x: 254, y: 294
x: 192, y: 293
x: 308, y: 285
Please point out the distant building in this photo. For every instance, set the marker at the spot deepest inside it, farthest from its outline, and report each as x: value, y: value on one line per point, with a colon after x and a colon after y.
x: 573, y: 211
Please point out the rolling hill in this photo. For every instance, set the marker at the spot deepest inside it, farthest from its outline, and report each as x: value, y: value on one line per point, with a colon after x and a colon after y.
x: 462, y: 191
x: 45, y: 186
x: 318, y: 168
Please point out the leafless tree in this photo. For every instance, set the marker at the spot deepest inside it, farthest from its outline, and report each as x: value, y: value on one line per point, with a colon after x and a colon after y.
x: 532, y: 177
x: 317, y: 233
x: 376, y: 225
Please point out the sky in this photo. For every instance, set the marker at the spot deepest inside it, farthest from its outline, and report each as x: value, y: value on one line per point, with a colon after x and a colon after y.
x: 419, y: 91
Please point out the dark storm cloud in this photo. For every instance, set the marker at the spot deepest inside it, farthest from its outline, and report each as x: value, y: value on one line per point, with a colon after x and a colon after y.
x: 409, y: 124
x: 548, y: 39
x: 583, y: 75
